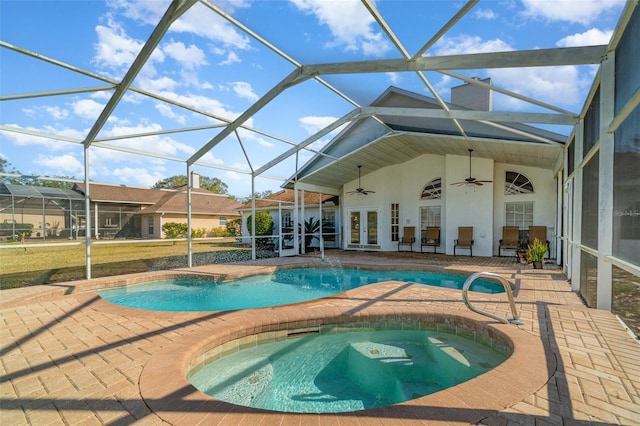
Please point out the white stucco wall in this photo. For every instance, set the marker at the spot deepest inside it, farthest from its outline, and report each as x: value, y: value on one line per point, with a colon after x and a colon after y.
x: 544, y: 200
x: 479, y: 206
x: 469, y: 205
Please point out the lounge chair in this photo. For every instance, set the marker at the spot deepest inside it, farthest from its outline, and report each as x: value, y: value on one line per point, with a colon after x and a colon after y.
x: 465, y: 239
x: 510, y: 239
x: 539, y: 232
x: 431, y: 238
x: 408, y: 238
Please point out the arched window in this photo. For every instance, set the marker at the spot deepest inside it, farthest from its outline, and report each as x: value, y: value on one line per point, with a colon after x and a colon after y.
x: 516, y: 183
x: 432, y: 190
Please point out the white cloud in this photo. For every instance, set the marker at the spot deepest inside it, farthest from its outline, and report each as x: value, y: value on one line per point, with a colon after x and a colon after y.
x: 158, y: 144
x: 203, y: 103
x: 201, y: 21
x: 22, y: 139
x: 592, y: 37
x: 56, y: 112
x: 232, y: 58
x: 138, y: 175
x: 313, y: 124
x: 466, y: 44
x: 60, y: 165
x: 145, y: 11
x: 87, y: 108
x: 350, y: 24
x: 394, y: 77
x: 582, y: 12
x: 158, y: 84
x: 190, y: 57
x: 486, y: 14
x: 166, y: 111
x: 554, y: 85
x: 244, y: 90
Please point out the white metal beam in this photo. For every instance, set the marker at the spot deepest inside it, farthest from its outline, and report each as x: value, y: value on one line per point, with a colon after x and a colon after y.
x: 331, y: 127
x: 514, y: 117
x: 463, y: 11
x: 506, y: 92
x: 174, y: 11
x: 511, y: 59
x: 292, y: 79
x: 55, y: 93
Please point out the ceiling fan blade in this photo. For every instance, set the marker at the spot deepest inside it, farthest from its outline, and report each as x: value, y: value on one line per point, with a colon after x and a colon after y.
x: 478, y: 183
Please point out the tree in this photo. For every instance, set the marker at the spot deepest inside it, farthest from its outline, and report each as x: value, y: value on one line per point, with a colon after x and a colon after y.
x: 214, y: 185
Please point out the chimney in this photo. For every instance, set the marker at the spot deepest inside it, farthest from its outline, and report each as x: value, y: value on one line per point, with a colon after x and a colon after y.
x: 473, y: 96
x: 195, y: 180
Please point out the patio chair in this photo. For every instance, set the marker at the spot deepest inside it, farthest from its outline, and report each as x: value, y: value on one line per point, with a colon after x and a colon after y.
x: 510, y: 239
x: 431, y: 238
x: 539, y: 232
x: 408, y: 238
x: 465, y: 239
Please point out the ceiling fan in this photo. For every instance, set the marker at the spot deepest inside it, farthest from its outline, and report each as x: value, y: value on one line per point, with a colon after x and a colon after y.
x: 359, y: 189
x: 471, y: 180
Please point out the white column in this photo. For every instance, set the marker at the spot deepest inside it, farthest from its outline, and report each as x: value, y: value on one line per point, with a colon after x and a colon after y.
x: 605, y: 181
x: 189, y: 239
x: 87, y: 215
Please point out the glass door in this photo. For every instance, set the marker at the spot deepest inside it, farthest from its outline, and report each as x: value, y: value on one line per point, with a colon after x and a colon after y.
x: 364, y: 229
x: 287, y: 233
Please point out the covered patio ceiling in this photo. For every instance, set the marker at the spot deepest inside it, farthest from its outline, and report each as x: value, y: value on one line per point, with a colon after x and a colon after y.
x: 393, y: 148
x: 396, y: 148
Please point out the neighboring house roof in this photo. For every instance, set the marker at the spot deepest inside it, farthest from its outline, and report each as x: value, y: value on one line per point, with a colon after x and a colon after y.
x: 164, y: 200
x: 286, y: 197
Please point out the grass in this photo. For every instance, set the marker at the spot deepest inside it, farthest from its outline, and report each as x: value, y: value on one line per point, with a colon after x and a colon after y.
x: 24, y: 265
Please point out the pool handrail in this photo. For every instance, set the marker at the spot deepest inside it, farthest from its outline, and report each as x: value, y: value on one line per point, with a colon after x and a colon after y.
x: 507, y: 288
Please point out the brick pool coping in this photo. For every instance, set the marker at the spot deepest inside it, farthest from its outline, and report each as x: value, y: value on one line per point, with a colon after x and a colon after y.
x: 166, y: 390
x: 69, y: 357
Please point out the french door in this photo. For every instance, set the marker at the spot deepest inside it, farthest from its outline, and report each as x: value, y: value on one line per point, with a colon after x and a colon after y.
x: 363, y: 229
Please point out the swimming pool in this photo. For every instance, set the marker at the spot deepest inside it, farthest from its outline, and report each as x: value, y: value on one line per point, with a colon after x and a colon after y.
x: 344, y: 371
x: 280, y: 288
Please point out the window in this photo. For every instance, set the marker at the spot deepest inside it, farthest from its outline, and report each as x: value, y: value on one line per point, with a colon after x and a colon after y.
x: 519, y: 214
x: 151, y: 229
x: 516, y: 183
x: 429, y: 216
x: 395, y: 221
x: 223, y: 220
x: 432, y: 190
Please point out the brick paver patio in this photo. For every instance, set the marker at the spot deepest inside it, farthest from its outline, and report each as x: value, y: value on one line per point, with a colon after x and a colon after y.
x: 69, y: 357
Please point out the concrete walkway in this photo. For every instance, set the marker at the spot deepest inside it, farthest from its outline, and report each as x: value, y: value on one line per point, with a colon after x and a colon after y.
x: 69, y: 357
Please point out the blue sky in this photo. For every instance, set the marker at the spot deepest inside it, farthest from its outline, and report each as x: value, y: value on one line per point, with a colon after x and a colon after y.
x: 207, y: 63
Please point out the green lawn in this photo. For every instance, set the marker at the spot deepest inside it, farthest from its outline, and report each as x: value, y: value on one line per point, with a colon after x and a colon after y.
x: 27, y: 265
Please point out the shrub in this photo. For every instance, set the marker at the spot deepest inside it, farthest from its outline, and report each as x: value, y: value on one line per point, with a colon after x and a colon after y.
x: 198, y: 232
x: 218, y: 232
x: 234, y: 227
x: 175, y: 230
x: 264, y: 224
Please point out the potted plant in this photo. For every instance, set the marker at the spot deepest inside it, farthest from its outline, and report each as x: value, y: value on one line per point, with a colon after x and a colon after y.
x: 536, y: 252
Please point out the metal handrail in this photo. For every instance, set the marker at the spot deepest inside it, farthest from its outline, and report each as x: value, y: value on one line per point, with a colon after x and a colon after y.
x: 507, y: 289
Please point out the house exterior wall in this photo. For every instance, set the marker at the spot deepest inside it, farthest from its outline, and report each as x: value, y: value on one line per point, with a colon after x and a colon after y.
x: 544, y: 200
x: 207, y: 222
x: 479, y: 206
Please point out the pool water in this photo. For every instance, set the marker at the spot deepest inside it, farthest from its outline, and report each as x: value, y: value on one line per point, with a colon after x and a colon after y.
x: 280, y: 288
x: 347, y: 371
